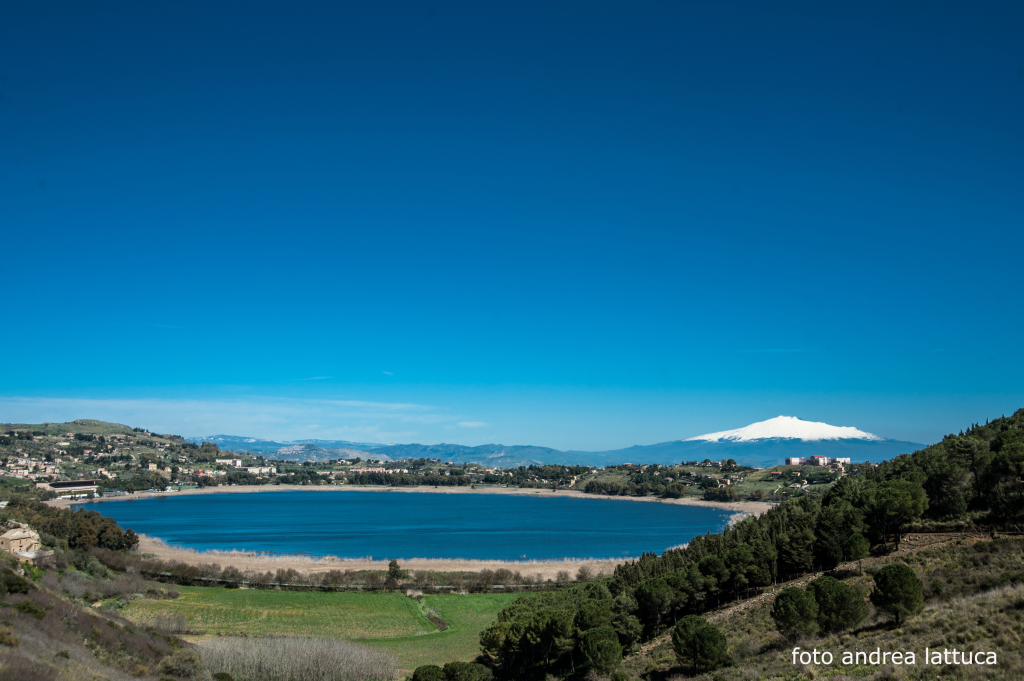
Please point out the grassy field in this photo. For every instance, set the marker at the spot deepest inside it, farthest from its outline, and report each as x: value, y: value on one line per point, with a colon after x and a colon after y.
x: 385, y: 620
x: 466, y: 616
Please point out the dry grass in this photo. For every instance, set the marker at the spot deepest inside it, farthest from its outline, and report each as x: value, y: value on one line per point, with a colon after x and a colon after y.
x: 248, y: 561
x: 990, y: 619
x: 287, y: 658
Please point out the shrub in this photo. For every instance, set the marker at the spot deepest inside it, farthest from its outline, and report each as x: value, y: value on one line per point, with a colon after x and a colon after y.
x: 898, y: 591
x: 465, y: 671
x: 601, y: 649
x: 184, y: 662
x: 14, y: 583
x: 287, y: 658
x: 428, y: 672
x: 839, y: 607
x: 795, y: 613
x: 30, y: 608
x: 8, y: 638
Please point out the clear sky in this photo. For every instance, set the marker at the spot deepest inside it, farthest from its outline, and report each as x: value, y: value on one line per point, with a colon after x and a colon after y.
x: 582, y: 225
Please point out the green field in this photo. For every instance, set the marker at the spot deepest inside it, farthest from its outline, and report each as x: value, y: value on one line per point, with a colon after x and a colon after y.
x: 386, y: 620
x: 466, y: 616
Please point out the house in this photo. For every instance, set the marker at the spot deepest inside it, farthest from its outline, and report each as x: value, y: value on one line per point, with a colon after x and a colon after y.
x: 776, y: 474
x: 237, y: 463
x: 20, y: 539
x: 816, y: 460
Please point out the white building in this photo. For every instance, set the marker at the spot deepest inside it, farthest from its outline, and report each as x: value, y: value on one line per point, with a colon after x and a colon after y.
x: 816, y: 460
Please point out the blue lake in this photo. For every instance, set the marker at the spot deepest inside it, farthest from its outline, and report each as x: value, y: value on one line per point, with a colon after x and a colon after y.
x: 415, y: 524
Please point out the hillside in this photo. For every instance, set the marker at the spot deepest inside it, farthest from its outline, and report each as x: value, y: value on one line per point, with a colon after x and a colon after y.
x: 973, y: 602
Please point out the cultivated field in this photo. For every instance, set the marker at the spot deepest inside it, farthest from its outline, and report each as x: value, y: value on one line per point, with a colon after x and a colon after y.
x: 388, y: 621
x: 217, y: 610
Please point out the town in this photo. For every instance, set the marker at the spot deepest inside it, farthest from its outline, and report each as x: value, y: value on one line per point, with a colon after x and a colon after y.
x: 93, y: 458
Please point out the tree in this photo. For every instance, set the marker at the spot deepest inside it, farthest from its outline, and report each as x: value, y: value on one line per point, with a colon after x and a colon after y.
x: 898, y: 592
x: 896, y: 504
x: 624, y: 621
x: 550, y: 633
x: 839, y: 608
x: 700, y: 642
x: 594, y: 613
x: 829, y: 530
x: 601, y: 649
x: 857, y: 548
x: 795, y: 613
x: 395, y: 570
x: 655, y: 599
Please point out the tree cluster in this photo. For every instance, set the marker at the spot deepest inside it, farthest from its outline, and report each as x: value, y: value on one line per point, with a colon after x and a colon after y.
x: 407, y: 479
x: 73, y: 529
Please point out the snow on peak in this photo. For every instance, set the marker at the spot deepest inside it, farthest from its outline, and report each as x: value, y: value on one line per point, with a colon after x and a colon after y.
x: 788, y: 427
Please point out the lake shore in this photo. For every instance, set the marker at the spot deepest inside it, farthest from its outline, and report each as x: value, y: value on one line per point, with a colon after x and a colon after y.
x: 540, y: 570
x: 257, y: 561
x: 740, y: 508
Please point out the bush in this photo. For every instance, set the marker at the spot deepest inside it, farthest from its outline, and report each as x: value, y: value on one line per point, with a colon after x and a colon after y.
x: 14, y: 583
x: 465, y: 671
x: 30, y: 608
x: 428, y: 672
x: 185, y: 662
x: 288, y: 658
x: 795, y: 613
x: 898, y: 592
x: 7, y: 637
x: 839, y: 607
x: 601, y: 649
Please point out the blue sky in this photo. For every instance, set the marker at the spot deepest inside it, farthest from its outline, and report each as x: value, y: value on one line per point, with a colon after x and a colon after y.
x: 580, y: 225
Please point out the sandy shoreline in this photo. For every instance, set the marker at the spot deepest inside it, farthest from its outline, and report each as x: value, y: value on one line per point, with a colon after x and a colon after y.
x: 245, y: 560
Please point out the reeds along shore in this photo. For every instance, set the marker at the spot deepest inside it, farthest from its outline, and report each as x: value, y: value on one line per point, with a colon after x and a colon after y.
x: 245, y: 561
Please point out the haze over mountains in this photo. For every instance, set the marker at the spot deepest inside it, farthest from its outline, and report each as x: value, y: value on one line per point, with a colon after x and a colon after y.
x: 766, y: 443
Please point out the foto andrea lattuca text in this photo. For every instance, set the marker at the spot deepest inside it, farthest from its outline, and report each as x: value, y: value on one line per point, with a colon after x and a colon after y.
x: 878, y: 656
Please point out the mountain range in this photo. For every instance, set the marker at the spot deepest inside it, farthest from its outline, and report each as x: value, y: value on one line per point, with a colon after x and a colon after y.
x: 762, y: 444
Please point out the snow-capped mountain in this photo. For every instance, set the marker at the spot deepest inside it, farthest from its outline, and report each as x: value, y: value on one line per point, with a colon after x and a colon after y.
x: 789, y: 428
x: 766, y: 443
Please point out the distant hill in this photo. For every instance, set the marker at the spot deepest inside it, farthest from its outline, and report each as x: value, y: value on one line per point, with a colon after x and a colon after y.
x: 766, y: 443
x: 236, y: 443
x: 495, y: 456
